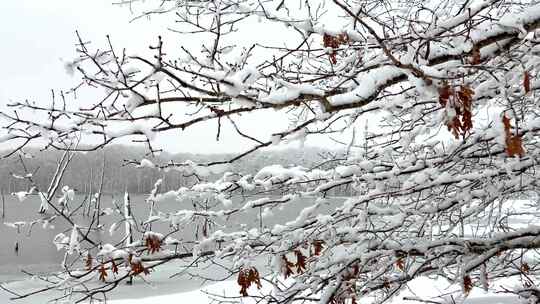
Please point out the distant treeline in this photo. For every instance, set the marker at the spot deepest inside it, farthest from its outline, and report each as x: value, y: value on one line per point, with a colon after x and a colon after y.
x: 84, y: 171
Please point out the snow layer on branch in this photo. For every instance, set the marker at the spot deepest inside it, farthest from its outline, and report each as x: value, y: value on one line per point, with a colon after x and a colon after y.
x: 133, y: 102
x: 370, y: 83
x: 152, y: 234
x: 190, y: 167
x: 275, y: 174
x: 289, y: 91
x: 519, y: 20
x: 344, y: 171
x: 213, y: 169
x: 116, y: 130
x: 108, y: 251
x: 164, y: 197
x: 145, y: 163
x: 449, y: 23
x: 20, y: 195
x: 236, y: 82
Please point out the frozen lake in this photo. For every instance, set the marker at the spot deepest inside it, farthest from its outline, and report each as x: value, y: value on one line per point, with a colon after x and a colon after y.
x: 37, y: 253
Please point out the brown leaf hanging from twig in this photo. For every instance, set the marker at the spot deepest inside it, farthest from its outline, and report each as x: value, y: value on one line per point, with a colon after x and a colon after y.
x: 89, y: 262
x: 527, y: 82
x: 334, y: 42
x: 246, y: 277
x: 114, y: 267
x: 137, y: 266
x: 400, y: 264
x: 461, y: 103
x: 102, y: 273
x: 525, y: 268
x: 514, y: 143
x: 300, y: 261
x: 153, y: 243
x: 467, y: 284
x: 317, y: 247
x: 287, y: 267
x: 476, y: 56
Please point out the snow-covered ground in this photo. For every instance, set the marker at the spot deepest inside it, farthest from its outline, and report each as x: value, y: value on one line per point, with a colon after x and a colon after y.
x: 186, y: 291
x: 146, y: 289
x: 419, y: 288
x: 159, y: 287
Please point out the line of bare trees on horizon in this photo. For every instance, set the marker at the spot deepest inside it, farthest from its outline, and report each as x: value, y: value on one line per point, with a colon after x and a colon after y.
x: 84, y: 172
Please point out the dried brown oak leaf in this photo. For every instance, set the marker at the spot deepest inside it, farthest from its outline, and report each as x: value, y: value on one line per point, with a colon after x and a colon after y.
x: 400, y: 264
x: 246, y: 277
x: 102, y: 273
x: 317, y: 247
x: 467, y: 284
x: 287, y: 267
x: 476, y: 56
x: 300, y: 261
x: 334, y: 42
x: 460, y: 102
x: 525, y: 268
x: 514, y: 143
x: 153, y: 243
x: 114, y: 267
x: 527, y: 82
x: 136, y: 266
x: 89, y: 262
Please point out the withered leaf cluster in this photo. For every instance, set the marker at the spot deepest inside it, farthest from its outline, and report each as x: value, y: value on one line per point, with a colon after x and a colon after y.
x: 460, y: 101
x: 153, y: 243
x: 514, y: 143
x: 334, y: 42
x: 247, y: 277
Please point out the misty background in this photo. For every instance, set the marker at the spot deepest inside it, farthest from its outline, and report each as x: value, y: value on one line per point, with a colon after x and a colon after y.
x: 84, y: 171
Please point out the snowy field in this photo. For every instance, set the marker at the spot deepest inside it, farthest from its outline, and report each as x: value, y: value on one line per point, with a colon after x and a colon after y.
x: 160, y: 289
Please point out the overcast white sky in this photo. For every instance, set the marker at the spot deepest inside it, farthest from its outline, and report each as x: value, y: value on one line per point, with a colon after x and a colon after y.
x: 37, y: 35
